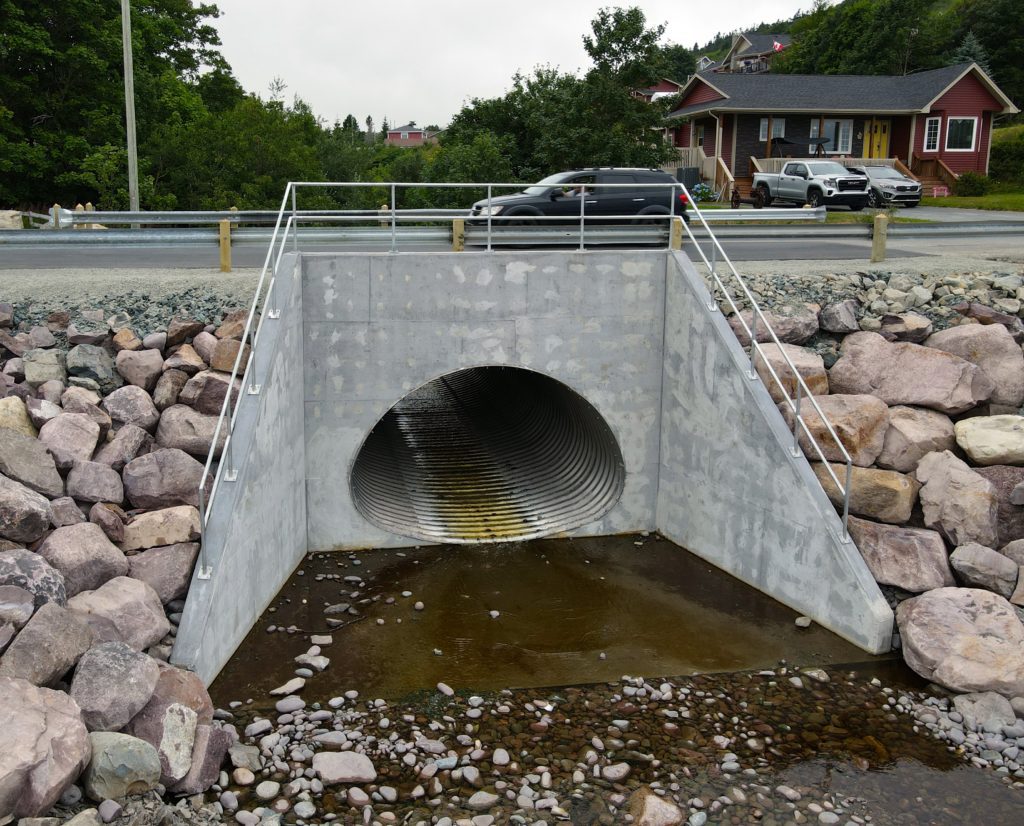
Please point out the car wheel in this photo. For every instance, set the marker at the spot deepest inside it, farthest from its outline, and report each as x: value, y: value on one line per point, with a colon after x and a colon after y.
x: 765, y: 195
x: 873, y: 200
x: 522, y: 219
x: 814, y: 198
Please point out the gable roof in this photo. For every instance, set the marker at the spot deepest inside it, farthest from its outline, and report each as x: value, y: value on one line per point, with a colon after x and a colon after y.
x: 409, y: 127
x: 760, y: 43
x: 883, y: 94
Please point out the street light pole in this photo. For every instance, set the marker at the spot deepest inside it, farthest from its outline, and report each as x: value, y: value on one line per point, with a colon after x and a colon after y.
x: 129, y: 107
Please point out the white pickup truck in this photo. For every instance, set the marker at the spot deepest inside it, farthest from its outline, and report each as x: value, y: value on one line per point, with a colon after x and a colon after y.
x: 817, y: 183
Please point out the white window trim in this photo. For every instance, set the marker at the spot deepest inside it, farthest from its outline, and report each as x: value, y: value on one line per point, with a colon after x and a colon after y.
x: 778, y: 124
x: 839, y: 150
x: 938, y: 135
x: 974, y: 133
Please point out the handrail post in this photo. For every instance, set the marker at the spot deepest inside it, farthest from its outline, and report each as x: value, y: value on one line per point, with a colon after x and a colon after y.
x: 204, y: 570
x: 295, y: 219
x: 752, y: 373
x: 394, y: 219
x: 583, y: 209
x: 846, y: 502
x: 795, y: 449
x: 254, y: 386
x: 489, y: 217
x: 231, y: 472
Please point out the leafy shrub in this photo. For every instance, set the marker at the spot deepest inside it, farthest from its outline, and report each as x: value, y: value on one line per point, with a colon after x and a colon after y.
x: 702, y: 192
x: 971, y: 185
x: 1006, y: 162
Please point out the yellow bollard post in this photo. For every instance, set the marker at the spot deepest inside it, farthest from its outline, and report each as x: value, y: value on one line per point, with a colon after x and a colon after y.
x: 878, y: 238
x: 56, y: 216
x: 459, y: 235
x: 676, y: 234
x: 79, y: 208
x: 225, y: 245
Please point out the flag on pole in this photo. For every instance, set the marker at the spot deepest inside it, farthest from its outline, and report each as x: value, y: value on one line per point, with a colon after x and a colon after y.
x: 776, y: 46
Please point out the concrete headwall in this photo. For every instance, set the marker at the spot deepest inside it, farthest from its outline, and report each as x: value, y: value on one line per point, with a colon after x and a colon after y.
x: 731, y: 492
x: 256, y: 534
x: 379, y: 326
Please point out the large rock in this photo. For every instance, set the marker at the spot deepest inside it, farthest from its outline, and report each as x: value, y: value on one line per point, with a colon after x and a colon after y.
x: 840, y: 317
x: 112, y: 684
x: 41, y: 410
x: 807, y: 363
x: 179, y: 704
x: 84, y: 556
x: 132, y: 405
x: 985, y: 710
x: 908, y: 374
x: 233, y: 324
x: 131, y: 605
x: 71, y: 437
x: 205, y: 391
x: 128, y: 443
x: 914, y: 432
x: 33, y: 573
x: 121, y: 765
x: 912, y: 327
x: 91, y: 362
x: 165, y: 394
x: 65, y: 512
x: 992, y: 348
x: 46, y: 746
x: 980, y: 567
x: 992, y: 440
x: 333, y: 767
x: 163, y: 478
x: 186, y: 359
x: 208, y: 752
x: 26, y: 460
x: 140, y: 368
x: 860, y: 422
x: 111, y: 520
x: 1004, y: 479
x: 884, y: 495
x: 168, y: 570
x: 792, y: 323
x: 42, y: 366
x: 181, y: 329
x: 95, y: 482
x: 225, y: 354
x: 189, y: 430
x: 48, y: 646
x: 956, y: 501
x: 24, y: 514
x: 649, y: 809
x: 14, y: 417
x: 169, y: 526
x: 912, y: 559
x: 16, y: 606
x: 965, y: 639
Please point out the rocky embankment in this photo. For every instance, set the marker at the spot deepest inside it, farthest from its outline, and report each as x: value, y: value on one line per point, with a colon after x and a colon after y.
x: 102, y: 433
x: 103, y: 427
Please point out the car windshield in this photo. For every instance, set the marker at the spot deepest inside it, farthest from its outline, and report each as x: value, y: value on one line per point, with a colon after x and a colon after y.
x: 544, y: 185
x: 883, y: 172
x: 828, y: 168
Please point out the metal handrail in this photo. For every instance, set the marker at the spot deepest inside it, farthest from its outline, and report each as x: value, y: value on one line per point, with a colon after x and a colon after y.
x: 802, y: 390
x: 246, y: 374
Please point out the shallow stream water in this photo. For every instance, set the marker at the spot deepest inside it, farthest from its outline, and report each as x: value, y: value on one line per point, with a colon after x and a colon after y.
x: 573, y: 617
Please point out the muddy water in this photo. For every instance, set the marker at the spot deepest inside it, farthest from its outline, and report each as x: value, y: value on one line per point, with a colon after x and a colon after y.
x: 569, y: 612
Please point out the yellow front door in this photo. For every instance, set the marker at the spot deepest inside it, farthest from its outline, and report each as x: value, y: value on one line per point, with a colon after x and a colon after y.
x: 876, y: 142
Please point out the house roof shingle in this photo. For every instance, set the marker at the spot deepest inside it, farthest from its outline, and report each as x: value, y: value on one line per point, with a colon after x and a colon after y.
x: 760, y: 43
x: 833, y: 93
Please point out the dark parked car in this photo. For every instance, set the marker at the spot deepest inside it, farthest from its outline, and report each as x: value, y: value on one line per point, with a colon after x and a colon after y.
x: 888, y: 187
x: 559, y: 195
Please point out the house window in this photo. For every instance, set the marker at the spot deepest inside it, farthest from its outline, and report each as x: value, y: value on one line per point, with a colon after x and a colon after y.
x: 839, y: 133
x: 960, y: 134
x: 700, y: 134
x: 778, y: 129
x: 405, y: 136
x: 931, y: 134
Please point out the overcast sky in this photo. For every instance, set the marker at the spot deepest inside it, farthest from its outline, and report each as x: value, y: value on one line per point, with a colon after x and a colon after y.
x: 421, y: 60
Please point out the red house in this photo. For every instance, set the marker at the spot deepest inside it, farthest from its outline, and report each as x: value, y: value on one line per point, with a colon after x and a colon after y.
x: 933, y: 125
x: 408, y: 135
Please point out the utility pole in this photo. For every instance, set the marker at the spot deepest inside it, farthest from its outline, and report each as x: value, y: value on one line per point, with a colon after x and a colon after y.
x: 129, y: 107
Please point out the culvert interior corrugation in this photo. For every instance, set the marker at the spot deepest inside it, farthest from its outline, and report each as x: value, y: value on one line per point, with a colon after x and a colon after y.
x: 488, y: 454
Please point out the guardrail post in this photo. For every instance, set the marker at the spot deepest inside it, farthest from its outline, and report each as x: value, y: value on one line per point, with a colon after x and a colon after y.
x: 878, y: 238
x: 55, y: 215
x: 225, y: 245
x: 79, y: 208
x: 675, y: 240
x: 458, y: 235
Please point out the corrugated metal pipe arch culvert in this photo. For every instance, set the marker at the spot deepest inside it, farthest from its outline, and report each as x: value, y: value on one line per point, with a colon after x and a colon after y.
x: 488, y: 454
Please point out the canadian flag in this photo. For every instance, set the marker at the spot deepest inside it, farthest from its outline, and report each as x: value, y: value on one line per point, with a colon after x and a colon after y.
x: 776, y: 46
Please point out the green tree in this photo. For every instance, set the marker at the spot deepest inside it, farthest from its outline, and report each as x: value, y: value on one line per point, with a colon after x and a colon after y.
x: 679, y: 62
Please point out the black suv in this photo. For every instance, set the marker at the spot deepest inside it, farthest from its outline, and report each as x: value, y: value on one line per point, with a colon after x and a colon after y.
x: 559, y: 195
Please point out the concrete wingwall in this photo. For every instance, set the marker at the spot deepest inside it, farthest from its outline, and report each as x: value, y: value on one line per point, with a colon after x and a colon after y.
x: 731, y: 492
x: 379, y: 326
x: 256, y: 533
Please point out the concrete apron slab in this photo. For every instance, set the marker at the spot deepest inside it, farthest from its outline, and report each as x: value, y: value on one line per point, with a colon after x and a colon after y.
x: 705, y: 449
